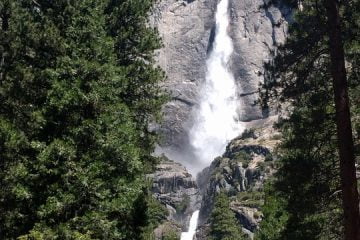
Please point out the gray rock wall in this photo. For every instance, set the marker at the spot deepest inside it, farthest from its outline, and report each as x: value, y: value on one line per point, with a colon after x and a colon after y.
x: 241, y: 172
x: 256, y: 32
x: 177, y: 190
x: 187, y: 29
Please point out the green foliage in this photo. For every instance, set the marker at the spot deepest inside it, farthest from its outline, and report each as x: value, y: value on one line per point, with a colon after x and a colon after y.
x: 264, y: 166
x: 243, y: 157
x: 253, y: 199
x: 269, y: 158
x: 76, y: 96
x: 170, y: 235
x: 274, y: 214
x: 248, y: 133
x: 223, y: 224
x: 304, y: 201
x: 307, y: 176
x: 156, y: 213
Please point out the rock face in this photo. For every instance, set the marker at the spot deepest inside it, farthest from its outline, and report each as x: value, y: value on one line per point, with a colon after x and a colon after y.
x: 187, y: 28
x: 175, y: 188
x: 257, y: 29
x: 241, y: 172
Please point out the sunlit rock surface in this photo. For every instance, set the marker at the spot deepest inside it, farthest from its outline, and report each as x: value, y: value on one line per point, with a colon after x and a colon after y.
x: 256, y: 31
x: 187, y: 29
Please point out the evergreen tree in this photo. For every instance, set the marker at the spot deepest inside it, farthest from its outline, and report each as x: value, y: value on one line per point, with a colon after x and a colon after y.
x: 349, y: 189
x: 275, y: 215
x: 224, y: 225
x: 306, y: 186
x: 74, y: 144
x: 308, y: 180
x: 135, y: 43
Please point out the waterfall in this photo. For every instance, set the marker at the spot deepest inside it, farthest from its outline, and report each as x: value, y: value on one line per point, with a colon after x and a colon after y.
x: 216, y: 118
x: 192, y: 227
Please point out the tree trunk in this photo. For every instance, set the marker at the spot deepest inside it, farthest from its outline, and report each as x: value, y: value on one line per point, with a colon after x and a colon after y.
x: 350, y: 195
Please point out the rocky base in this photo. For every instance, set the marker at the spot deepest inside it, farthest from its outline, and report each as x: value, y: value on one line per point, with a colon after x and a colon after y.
x: 242, y: 170
x: 177, y: 190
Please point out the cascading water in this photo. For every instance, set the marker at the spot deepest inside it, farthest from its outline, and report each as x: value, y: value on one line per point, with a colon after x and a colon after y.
x: 216, y: 118
x: 192, y: 227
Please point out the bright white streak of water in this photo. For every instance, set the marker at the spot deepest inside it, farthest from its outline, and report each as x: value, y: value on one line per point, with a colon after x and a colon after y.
x: 216, y: 123
x: 192, y: 227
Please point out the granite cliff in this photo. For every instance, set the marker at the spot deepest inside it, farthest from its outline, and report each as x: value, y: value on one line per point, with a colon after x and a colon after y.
x: 187, y: 29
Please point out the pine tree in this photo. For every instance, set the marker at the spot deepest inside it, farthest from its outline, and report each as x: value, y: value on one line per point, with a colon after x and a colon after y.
x: 275, y: 215
x: 306, y: 185
x: 74, y: 144
x: 309, y: 174
x: 224, y: 225
x: 350, y: 193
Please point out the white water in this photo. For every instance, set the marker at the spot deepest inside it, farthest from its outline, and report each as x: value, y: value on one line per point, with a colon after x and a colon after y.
x: 192, y: 227
x: 216, y: 118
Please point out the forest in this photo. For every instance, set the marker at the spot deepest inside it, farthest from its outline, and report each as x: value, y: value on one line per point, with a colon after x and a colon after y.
x: 80, y: 88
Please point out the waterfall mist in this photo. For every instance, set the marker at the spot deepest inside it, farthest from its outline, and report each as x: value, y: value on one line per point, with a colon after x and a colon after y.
x: 215, y: 120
